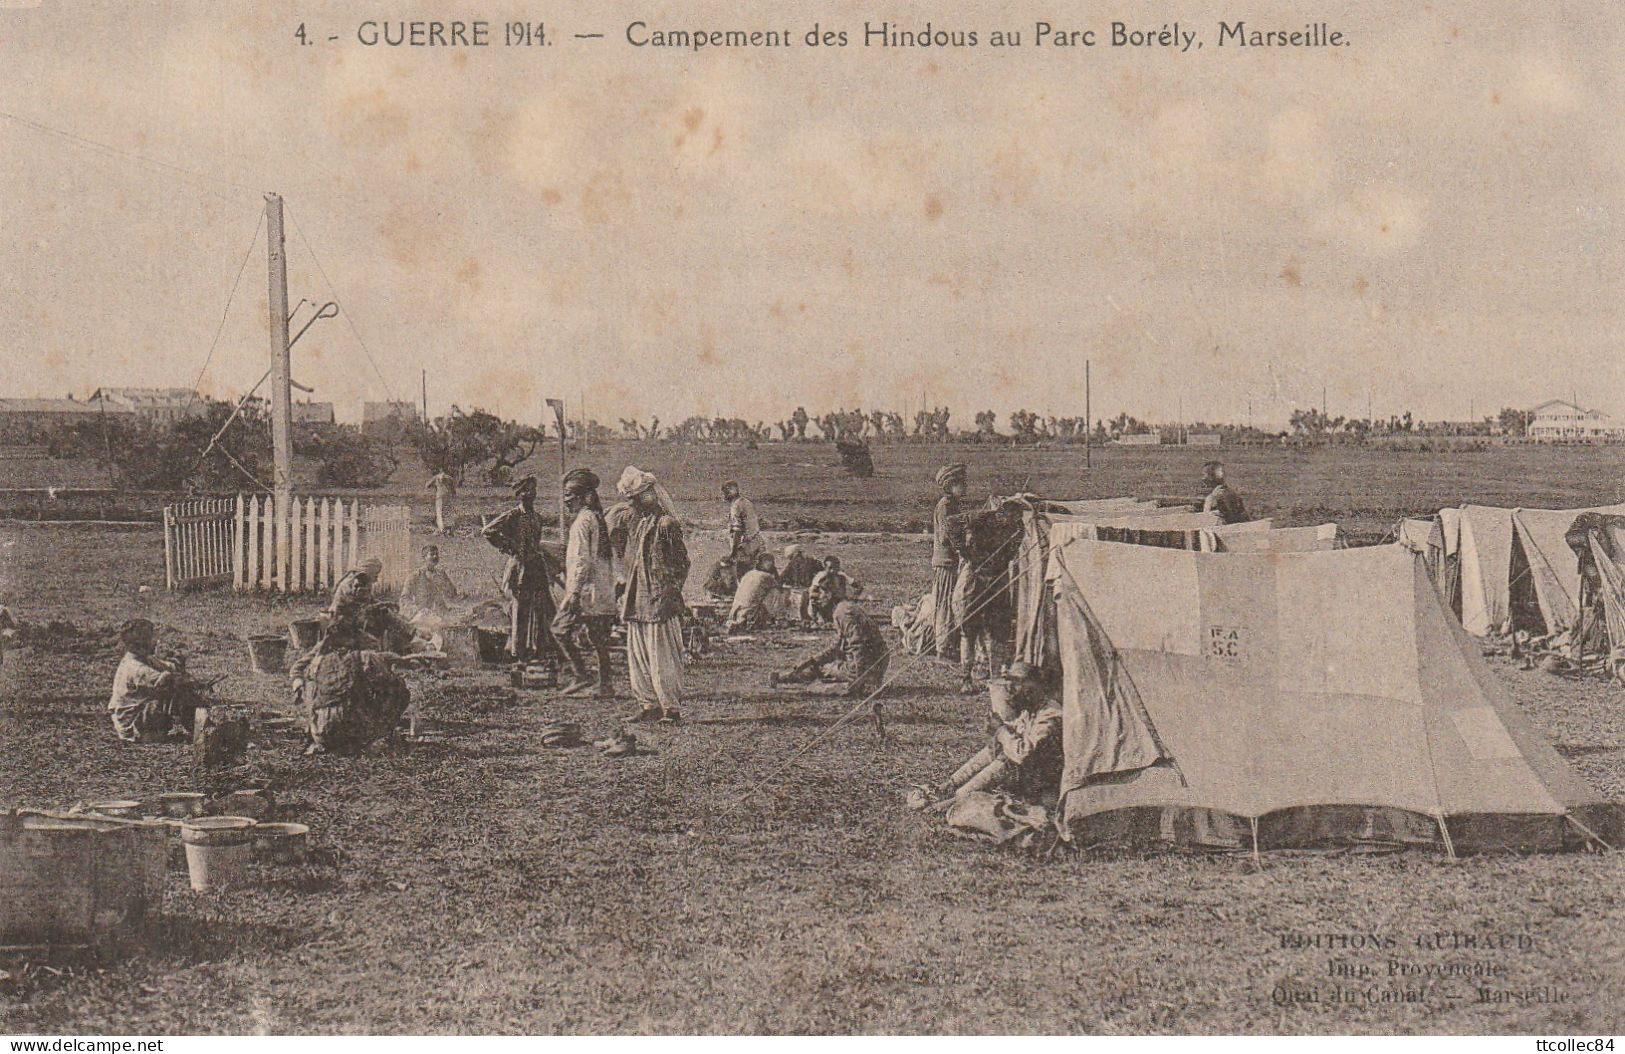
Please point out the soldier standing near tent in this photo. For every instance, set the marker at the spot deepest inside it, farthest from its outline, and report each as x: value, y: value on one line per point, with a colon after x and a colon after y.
x: 526, y: 579
x: 945, y: 559
x: 1221, y: 498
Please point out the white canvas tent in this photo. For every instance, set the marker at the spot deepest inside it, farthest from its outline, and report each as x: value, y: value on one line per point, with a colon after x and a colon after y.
x: 1516, y: 572
x: 1292, y: 699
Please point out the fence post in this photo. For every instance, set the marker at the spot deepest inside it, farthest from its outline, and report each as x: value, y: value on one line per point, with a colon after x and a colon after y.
x: 169, y: 547
x: 237, y: 545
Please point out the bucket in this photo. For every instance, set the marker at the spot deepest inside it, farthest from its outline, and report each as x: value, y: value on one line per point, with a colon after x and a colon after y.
x: 218, y: 850
x: 268, y: 654
x: 461, y: 644
x: 181, y: 803
x: 493, y: 644
x: 304, y: 632
x: 281, y: 843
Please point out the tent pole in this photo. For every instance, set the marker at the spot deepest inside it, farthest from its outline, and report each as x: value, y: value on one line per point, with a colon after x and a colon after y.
x: 1588, y: 832
x: 1444, y: 832
x: 1258, y: 860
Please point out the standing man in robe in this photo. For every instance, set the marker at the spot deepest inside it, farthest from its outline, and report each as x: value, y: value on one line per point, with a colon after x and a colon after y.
x: 744, y: 529
x: 444, y: 487
x: 526, y: 579
x: 657, y: 565
x: 589, y: 583
x: 945, y: 546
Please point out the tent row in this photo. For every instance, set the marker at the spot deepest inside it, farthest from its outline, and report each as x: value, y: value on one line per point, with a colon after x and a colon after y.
x: 1246, y: 687
x: 1528, y: 571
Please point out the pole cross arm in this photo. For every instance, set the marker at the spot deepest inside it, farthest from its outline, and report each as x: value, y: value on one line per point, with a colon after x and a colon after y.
x: 327, y: 310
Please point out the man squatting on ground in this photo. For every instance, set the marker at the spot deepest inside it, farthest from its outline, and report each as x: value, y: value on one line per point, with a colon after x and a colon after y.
x: 858, y: 656
x: 526, y: 578
x: 652, y: 606
x: 152, y: 699
x: 589, y: 584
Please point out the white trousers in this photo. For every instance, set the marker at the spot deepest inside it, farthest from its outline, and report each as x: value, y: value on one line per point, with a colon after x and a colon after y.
x: 654, y: 662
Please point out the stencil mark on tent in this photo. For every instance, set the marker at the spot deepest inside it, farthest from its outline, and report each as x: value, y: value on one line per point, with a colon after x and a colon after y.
x: 1226, y: 643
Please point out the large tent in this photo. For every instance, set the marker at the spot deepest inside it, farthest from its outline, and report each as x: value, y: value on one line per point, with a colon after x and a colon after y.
x: 1292, y: 699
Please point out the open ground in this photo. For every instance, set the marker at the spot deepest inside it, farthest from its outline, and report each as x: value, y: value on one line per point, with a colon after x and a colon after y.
x: 482, y: 883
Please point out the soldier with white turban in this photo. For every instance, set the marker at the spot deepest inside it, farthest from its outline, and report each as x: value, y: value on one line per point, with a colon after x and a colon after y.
x: 656, y: 567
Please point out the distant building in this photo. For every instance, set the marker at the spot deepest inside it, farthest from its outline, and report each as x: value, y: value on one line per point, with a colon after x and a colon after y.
x: 1559, y: 419
x: 1202, y: 439
x: 387, y: 417
x: 313, y: 415
x: 162, y: 406
x: 22, y: 419
x: 1142, y: 439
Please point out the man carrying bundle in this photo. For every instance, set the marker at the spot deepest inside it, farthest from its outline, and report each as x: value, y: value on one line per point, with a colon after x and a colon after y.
x: 858, y: 657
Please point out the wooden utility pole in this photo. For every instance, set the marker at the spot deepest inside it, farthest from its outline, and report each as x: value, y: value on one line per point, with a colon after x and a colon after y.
x: 282, y: 392
x: 425, y: 398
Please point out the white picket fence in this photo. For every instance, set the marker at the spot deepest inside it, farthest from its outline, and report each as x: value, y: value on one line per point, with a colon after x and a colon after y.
x: 303, y: 546
x: 198, y: 538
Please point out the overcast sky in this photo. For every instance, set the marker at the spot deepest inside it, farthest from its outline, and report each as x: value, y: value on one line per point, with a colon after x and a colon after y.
x: 1429, y: 219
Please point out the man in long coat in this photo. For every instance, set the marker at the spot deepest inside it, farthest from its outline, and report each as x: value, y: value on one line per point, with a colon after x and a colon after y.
x: 527, y: 577
x: 656, y: 567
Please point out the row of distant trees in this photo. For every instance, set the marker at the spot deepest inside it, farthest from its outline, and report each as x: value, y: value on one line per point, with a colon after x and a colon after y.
x: 224, y: 446
x: 1315, y: 424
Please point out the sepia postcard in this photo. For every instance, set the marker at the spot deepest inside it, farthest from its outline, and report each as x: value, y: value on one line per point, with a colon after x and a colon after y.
x: 811, y: 519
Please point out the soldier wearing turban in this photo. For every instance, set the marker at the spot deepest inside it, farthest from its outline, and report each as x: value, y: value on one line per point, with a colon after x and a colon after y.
x: 527, y: 577
x: 656, y: 568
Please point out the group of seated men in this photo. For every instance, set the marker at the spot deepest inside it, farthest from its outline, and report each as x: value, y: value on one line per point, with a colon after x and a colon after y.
x: 764, y: 593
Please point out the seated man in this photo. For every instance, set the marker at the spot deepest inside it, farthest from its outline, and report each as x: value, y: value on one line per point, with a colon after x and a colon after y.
x: 799, y: 568
x: 853, y: 588
x: 152, y: 699
x: 757, y: 600
x: 350, y: 692
x: 858, y: 656
x: 430, y: 590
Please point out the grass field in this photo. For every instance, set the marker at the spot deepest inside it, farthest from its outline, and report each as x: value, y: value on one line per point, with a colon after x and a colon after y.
x: 800, y: 485
x: 483, y: 883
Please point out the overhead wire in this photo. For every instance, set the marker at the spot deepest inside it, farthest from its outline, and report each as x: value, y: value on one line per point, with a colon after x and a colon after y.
x: 225, y: 311
x: 107, y: 148
x: 348, y: 319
